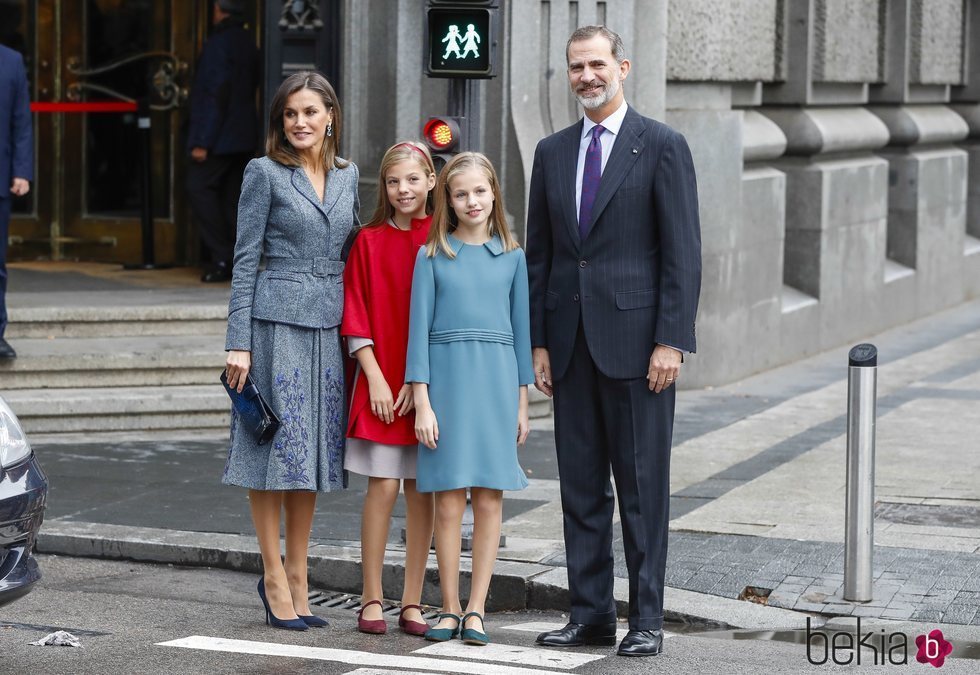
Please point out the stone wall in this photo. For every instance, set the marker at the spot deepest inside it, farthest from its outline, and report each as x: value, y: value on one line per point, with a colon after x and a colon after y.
x: 848, y: 40
x: 703, y: 114
x: 722, y: 40
x: 837, y: 144
x: 936, y: 37
x: 873, y: 203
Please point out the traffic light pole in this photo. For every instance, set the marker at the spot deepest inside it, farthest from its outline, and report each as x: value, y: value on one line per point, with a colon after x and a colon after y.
x: 463, y: 102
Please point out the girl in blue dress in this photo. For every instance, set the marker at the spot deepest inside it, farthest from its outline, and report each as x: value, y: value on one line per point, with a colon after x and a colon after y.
x: 469, y: 360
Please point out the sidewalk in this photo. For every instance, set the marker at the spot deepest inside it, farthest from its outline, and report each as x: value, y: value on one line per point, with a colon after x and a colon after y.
x: 757, y: 496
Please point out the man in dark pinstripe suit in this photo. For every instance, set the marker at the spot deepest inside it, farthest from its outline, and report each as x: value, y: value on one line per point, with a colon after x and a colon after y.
x: 614, y: 260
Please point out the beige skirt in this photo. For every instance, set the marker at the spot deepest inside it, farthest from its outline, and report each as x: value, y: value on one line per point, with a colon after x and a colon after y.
x: 380, y: 460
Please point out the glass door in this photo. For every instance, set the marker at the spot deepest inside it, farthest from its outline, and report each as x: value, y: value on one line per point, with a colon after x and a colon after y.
x: 91, y: 62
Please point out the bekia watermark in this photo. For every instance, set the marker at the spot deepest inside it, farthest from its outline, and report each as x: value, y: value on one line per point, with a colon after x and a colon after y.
x: 933, y: 648
x: 844, y: 647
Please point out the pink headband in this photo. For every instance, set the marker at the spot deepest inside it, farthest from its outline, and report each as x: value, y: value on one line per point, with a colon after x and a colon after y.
x: 415, y: 148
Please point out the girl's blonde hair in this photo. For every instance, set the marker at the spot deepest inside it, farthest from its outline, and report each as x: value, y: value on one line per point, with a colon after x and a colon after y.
x: 278, y: 147
x: 397, y: 153
x: 444, y: 218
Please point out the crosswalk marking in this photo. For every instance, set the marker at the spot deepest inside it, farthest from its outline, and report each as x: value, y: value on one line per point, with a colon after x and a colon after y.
x: 542, y: 626
x: 513, y: 654
x: 349, y: 656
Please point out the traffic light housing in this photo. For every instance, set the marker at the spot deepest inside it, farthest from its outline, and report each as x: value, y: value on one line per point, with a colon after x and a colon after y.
x: 443, y: 136
x: 461, y: 38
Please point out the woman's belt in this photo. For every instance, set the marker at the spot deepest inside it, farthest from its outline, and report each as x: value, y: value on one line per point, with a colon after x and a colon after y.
x: 470, y: 334
x: 318, y: 267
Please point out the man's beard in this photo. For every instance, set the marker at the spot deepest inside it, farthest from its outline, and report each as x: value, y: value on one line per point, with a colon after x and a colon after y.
x: 594, y: 102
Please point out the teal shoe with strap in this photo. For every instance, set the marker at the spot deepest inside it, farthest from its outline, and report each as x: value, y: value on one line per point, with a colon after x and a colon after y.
x: 444, y: 634
x: 472, y: 636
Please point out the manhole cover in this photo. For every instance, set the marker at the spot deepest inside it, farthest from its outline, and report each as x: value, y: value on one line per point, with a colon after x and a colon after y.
x: 946, y: 515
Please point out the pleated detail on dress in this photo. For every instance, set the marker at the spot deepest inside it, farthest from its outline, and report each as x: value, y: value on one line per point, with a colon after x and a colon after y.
x: 477, y: 334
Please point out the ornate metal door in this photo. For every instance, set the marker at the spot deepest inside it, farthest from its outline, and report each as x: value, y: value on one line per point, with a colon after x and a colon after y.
x: 82, y: 56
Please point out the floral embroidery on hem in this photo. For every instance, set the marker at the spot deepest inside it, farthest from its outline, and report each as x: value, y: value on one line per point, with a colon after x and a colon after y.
x: 231, y: 444
x: 292, y: 441
x: 333, y: 406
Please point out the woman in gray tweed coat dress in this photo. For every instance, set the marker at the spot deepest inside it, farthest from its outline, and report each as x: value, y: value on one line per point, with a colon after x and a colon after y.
x: 299, y: 203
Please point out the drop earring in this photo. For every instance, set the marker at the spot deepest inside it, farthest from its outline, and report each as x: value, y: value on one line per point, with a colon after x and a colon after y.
x: 330, y: 129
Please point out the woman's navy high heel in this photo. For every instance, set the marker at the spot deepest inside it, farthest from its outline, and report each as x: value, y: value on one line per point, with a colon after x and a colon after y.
x: 272, y: 620
x: 314, y: 621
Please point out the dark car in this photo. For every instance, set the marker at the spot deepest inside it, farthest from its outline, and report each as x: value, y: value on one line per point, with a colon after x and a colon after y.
x: 23, y: 494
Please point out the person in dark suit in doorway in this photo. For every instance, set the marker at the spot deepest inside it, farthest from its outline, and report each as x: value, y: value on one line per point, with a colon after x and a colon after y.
x: 223, y: 133
x: 16, y: 161
x: 614, y: 264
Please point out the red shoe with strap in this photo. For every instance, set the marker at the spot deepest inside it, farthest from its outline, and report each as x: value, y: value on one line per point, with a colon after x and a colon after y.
x: 411, y: 627
x: 372, y: 626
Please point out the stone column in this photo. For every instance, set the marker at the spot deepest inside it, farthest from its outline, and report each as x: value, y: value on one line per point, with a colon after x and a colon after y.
x: 967, y: 98
x: 927, y: 207
x: 829, y: 52
x: 649, y: 56
x: 713, y: 130
x: 762, y: 238
x: 540, y: 102
x: 971, y: 248
x: 354, y: 57
x: 927, y: 193
x: 386, y: 95
x: 836, y: 219
x: 713, y: 47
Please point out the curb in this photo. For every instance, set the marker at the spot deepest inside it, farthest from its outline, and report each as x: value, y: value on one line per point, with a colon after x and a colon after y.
x: 515, y: 585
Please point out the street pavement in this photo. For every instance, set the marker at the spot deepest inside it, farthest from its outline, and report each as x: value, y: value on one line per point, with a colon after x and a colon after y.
x: 757, y: 499
x: 141, y: 618
x: 757, y: 486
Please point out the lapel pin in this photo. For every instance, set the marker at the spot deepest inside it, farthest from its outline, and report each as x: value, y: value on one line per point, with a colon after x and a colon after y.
x: 635, y: 150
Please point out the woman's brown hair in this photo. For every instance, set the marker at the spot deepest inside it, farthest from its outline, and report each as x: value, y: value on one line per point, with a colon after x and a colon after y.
x: 444, y: 218
x: 278, y: 147
x: 396, y: 154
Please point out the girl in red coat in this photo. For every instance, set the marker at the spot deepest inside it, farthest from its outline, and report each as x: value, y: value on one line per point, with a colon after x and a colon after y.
x: 381, y: 441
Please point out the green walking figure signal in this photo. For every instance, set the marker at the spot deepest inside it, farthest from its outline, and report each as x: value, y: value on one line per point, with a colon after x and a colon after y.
x: 452, y: 37
x: 452, y: 52
x: 471, y: 38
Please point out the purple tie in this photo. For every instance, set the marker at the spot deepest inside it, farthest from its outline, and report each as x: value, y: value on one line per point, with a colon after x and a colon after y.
x: 590, y: 181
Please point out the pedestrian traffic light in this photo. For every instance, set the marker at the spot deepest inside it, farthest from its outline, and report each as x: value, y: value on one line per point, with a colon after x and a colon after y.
x: 443, y: 136
x: 461, y: 39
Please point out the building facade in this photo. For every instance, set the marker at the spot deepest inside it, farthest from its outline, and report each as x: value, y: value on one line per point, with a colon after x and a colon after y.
x: 837, y: 142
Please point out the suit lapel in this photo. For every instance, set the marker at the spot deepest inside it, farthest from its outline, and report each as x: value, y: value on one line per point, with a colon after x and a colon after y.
x: 336, y: 182
x: 305, y: 188
x: 567, y: 166
x: 625, y: 151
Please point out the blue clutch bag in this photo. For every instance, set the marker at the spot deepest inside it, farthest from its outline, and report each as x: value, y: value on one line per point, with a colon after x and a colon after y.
x: 255, y: 413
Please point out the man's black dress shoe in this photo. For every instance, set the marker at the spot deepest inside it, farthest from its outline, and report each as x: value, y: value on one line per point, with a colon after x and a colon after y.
x: 6, y: 351
x: 218, y: 273
x: 578, y: 634
x: 642, y: 643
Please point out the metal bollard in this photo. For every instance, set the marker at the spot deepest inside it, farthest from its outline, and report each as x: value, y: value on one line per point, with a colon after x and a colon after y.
x: 862, y: 382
